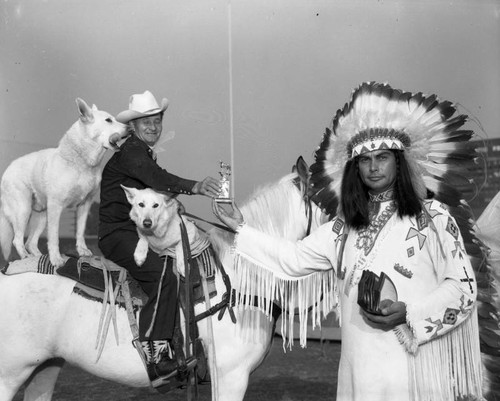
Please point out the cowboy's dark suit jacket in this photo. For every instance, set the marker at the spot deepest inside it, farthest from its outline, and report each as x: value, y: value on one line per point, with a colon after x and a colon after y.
x: 132, y: 166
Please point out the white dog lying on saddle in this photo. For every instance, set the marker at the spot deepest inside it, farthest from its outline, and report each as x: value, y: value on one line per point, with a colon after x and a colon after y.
x: 35, y: 188
x: 158, y: 224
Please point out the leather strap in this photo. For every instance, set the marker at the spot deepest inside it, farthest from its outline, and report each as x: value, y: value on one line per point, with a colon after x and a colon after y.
x: 134, y: 327
x: 192, y: 388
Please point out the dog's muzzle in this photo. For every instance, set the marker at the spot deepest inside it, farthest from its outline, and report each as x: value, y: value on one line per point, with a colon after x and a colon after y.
x: 115, y: 138
x: 147, y: 223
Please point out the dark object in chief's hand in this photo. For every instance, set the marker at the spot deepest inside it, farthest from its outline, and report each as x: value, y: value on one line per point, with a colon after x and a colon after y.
x: 373, y: 289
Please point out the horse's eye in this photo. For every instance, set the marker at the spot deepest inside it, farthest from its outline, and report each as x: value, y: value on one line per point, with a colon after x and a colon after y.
x: 141, y: 204
x: 155, y: 205
x: 109, y: 120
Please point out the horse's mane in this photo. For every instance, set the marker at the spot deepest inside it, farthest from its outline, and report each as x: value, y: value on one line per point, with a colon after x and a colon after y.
x: 269, y: 208
x: 277, y: 209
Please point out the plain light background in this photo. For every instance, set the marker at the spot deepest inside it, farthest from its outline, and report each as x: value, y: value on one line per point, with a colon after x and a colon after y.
x: 249, y: 82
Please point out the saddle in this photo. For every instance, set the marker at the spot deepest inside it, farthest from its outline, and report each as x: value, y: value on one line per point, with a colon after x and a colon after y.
x: 89, y: 272
x: 94, y: 274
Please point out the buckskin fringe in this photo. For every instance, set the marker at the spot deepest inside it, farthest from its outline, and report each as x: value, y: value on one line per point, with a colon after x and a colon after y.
x: 311, y: 296
x: 448, y: 367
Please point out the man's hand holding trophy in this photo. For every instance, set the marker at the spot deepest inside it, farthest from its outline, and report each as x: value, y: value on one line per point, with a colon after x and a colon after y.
x: 232, y: 217
x: 225, y: 185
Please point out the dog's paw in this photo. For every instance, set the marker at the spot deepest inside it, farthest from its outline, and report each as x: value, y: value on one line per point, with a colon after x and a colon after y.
x: 57, y: 260
x: 140, y: 258
x: 141, y: 251
x: 83, y: 251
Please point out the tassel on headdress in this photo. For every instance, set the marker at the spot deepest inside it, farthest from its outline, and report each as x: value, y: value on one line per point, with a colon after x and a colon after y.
x: 380, y: 117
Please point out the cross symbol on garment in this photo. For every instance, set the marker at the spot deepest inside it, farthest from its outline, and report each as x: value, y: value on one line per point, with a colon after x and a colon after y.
x: 468, y: 280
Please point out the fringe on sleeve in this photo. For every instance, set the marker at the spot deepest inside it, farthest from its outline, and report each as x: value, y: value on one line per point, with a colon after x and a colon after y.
x: 448, y: 367
x: 310, y: 297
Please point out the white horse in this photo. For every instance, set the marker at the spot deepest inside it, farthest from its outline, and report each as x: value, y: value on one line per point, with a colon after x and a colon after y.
x: 45, y: 323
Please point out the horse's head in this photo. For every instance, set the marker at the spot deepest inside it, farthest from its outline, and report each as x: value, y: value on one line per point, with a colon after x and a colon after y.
x: 303, y: 183
x: 282, y: 208
x: 285, y: 208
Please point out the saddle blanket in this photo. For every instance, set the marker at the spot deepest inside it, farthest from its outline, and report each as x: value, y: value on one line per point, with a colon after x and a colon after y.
x: 88, y: 272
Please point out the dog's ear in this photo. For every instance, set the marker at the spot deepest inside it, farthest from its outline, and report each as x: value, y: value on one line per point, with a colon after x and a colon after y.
x: 168, y: 199
x: 86, y: 114
x: 167, y: 196
x: 130, y: 192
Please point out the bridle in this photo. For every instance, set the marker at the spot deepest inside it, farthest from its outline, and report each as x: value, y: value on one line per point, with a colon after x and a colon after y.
x: 221, y: 226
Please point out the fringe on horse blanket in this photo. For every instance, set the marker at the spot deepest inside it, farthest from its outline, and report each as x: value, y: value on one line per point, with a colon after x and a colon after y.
x: 310, y: 298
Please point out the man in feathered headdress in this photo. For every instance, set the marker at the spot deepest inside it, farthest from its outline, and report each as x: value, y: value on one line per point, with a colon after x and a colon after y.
x: 382, y: 171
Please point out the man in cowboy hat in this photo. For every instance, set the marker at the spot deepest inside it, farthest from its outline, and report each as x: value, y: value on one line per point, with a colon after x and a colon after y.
x: 135, y: 166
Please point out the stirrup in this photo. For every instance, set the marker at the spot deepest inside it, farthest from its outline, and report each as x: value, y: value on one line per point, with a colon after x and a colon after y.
x: 184, y: 369
x: 163, y: 384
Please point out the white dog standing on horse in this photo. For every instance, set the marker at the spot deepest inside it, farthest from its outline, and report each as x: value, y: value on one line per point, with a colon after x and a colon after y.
x: 35, y: 188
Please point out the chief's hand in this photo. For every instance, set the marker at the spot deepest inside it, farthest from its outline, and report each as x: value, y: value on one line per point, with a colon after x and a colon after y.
x: 393, y: 314
x: 232, y: 219
x: 208, y: 187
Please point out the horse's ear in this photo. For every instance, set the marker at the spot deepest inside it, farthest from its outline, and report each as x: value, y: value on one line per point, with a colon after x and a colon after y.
x: 302, y: 169
x: 130, y: 192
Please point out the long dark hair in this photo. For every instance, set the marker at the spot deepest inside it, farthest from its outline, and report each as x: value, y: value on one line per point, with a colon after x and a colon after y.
x: 354, y: 193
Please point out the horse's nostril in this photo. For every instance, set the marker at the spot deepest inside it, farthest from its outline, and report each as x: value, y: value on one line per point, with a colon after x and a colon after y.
x: 147, y: 223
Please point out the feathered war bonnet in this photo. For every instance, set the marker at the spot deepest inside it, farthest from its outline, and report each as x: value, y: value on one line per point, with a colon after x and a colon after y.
x: 380, y: 117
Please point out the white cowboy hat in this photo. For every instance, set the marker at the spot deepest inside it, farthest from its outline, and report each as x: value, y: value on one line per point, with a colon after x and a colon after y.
x: 142, y: 105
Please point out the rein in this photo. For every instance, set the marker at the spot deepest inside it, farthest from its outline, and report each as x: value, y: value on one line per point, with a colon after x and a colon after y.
x: 222, y: 227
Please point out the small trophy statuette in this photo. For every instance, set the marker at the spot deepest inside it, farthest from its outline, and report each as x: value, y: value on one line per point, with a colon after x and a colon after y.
x: 225, y: 193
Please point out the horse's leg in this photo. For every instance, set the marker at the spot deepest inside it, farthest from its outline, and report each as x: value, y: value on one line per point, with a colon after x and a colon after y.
x: 11, y: 380
x: 33, y: 307
x: 7, y: 392
x: 238, y: 351
x: 235, y: 372
x: 40, y: 385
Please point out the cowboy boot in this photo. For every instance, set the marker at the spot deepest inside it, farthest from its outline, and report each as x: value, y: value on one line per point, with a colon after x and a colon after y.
x: 159, y: 364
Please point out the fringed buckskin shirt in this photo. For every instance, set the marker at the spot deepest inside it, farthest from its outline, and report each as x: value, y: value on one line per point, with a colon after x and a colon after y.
x: 435, y: 355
